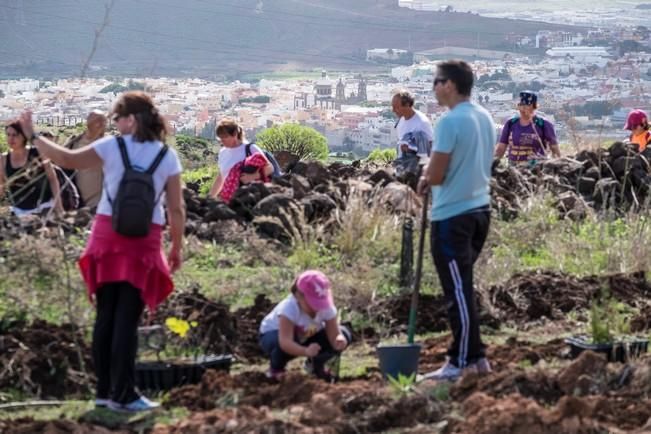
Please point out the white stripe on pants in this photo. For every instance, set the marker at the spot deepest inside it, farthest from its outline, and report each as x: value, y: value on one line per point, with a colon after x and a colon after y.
x: 463, y: 313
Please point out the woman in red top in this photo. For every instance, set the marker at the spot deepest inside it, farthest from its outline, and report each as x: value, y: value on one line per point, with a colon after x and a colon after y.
x: 124, y: 273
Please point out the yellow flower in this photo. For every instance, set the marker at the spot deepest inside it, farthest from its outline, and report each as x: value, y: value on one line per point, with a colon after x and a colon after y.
x: 179, y: 326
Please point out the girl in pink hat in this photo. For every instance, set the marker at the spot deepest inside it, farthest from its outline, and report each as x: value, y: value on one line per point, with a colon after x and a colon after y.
x: 304, y: 324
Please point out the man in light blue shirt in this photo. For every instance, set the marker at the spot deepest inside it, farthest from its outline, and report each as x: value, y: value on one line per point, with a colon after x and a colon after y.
x: 459, y: 173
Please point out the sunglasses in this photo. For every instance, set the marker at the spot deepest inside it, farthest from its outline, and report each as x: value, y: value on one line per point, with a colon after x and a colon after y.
x: 439, y: 80
x: 117, y: 117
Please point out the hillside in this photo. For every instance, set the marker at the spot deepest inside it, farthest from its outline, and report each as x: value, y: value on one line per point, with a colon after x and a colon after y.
x: 202, y: 36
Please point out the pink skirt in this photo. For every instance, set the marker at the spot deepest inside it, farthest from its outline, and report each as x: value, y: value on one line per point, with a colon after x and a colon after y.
x: 111, y: 257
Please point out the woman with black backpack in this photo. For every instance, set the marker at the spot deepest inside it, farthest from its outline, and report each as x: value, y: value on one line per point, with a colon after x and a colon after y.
x: 123, y: 265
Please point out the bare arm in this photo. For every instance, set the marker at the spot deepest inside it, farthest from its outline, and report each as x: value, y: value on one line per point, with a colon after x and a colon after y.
x: 176, y: 218
x: 500, y: 149
x: 435, y: 171
x: 335, y: 337
x: 216, y: 186
x: 83, y: 158
x: 286, y: 338
x: 556, y: 150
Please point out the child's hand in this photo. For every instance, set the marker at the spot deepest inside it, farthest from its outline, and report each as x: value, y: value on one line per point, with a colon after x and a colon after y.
x: 312, y: 350
x: 340, y: 343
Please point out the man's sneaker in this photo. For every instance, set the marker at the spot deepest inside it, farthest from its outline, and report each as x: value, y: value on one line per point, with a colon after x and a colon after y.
x: 446, y: 372
x: 102, y: 403
x: 482, y: 366
x: 275, y: 374
x: 140, y: 404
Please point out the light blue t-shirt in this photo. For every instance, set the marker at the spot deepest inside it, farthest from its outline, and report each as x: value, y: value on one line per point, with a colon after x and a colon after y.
x: 466, y: 133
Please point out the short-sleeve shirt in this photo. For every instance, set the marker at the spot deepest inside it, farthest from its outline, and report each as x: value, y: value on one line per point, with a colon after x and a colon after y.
x: 418, y: 122
x: 141, y: 155
x: 467, y: 134
x: 304, y: 325
x: 524, y: 141
x: 229, y: 157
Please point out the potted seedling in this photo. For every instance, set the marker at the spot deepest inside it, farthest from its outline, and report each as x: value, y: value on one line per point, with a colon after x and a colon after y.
x: 177, y: 356
x: 609, y: 332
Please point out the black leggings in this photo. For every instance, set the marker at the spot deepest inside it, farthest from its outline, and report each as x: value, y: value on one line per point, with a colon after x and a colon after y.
x: 115, y: 341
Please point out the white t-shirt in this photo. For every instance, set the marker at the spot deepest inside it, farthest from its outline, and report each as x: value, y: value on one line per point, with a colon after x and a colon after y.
x: 418, y: 122
x: 229, y: 157
x: 304, y: 325
x: 141, y: 156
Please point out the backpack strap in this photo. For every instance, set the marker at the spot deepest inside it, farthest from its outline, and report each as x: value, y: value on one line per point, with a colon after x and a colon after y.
x: 123, y: 153
x: 247, y: 149
x: 157, y: 160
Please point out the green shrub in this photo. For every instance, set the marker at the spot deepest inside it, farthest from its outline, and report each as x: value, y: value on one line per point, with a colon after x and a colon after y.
x: 195, y: 152
x: 204, y: 176
x: 303, y: 141
x: 384, y: 156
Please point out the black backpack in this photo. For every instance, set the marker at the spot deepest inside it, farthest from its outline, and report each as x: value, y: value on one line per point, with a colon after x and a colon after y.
x: 277, y: 171
x: 134, y: 204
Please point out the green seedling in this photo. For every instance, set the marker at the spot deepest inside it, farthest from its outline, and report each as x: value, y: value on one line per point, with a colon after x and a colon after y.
x: 402, y: 385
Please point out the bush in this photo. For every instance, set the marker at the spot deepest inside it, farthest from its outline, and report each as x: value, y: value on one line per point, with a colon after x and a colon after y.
x: 305, y: 142
x: 385, y: 156
x: 203, y: 176
x: 195, y: 152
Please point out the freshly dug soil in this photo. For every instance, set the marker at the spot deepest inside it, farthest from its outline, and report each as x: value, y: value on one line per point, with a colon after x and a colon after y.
x: 45, y: 360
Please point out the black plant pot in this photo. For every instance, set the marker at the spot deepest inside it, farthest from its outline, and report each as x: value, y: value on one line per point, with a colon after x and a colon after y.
x: 620, y: 351
x: 165, y: 376
x: 398, y: 359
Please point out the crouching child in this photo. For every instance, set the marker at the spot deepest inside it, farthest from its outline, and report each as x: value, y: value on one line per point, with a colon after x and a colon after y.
x: 304, y: 324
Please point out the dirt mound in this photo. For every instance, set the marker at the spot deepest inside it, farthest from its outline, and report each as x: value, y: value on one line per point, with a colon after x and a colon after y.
x: 45, y: 360
x: 311, y: 405
x: 248, y: 323
x: 516, y: 414
x: 432, y: 314
x: 530, y: 296
x: 30, y: 426
x: 232, y: 420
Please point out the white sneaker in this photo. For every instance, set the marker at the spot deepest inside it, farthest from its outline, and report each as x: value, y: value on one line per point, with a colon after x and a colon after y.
x: 140, y: 404
x: 446, y: 372
x: 102, y: 403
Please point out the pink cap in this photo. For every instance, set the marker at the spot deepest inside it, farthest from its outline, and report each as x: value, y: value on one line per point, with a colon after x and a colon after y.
x: 634, y: 119
x: 315, y: 286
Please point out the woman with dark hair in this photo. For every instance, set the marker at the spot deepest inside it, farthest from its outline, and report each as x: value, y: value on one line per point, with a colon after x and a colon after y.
x: 125, y: 273
x: 235, y: 150
x: 29, y: 181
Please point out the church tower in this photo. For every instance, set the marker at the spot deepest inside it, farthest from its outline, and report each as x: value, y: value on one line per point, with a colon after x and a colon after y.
x: 361, y: 90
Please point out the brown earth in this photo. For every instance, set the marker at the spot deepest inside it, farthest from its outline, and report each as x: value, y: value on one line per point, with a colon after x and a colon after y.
x: 534, y: 387
x: 531, y: 296
x: 45, y: 360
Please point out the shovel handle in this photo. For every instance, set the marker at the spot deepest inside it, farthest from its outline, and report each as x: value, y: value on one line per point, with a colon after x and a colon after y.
x: 411, y: 330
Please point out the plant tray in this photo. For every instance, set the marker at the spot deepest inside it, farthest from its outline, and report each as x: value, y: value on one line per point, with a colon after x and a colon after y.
x: 621, y: 351
x: 167, y: 375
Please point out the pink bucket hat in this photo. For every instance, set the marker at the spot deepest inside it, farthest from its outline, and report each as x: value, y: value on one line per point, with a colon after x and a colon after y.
x: 315, y: 286
x: 635, y: 118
